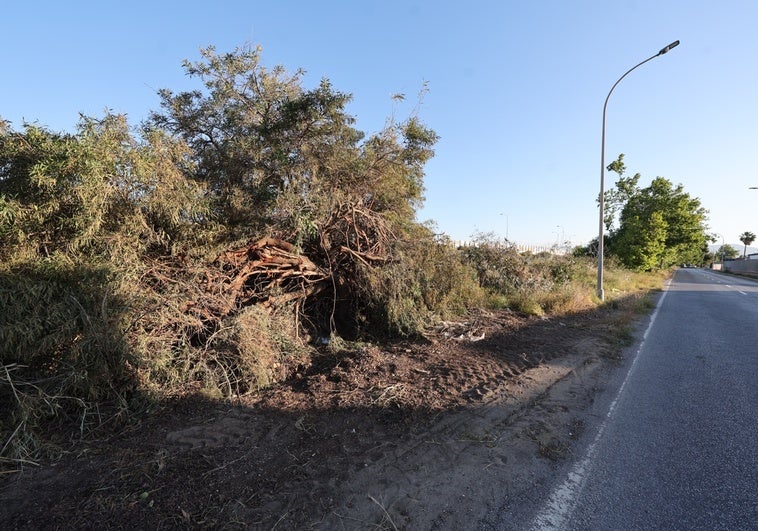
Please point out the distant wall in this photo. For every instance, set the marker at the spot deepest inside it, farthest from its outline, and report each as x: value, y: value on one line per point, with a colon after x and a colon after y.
x: 743, y: 267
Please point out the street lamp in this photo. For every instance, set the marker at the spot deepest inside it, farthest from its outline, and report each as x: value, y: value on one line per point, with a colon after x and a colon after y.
x: 721, y: 249
x: 506, y: 225
x: 600, y: 243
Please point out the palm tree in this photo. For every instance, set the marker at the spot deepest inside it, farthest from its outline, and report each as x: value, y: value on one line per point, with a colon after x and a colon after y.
x: 747, y: 238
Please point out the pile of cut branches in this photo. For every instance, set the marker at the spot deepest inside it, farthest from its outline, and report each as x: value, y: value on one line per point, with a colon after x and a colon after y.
x: 196, y: 317
x: 190, y: 300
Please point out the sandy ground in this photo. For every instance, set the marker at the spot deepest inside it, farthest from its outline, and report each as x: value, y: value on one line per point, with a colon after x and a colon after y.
x: 441, y: 433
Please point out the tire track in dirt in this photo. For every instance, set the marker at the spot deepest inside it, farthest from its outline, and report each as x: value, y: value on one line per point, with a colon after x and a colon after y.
x: 458, y: 470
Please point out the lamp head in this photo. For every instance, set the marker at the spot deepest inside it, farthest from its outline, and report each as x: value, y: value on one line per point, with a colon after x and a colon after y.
x: 669, y: 47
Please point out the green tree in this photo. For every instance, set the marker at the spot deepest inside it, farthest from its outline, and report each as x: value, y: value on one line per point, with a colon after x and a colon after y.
x: 278, y: 157
x: 93, y: 193
x: 618, y: 196
x: 747, y: 238
x: 641, y: 244
x: 255, y: 133
x: 727, y: 251
x: 659, y: 225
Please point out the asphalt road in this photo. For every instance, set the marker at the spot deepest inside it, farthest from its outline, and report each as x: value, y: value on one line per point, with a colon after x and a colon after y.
x: 677, y: 445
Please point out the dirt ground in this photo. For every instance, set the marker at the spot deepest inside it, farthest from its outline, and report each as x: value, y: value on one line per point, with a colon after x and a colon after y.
x: 430, y: 434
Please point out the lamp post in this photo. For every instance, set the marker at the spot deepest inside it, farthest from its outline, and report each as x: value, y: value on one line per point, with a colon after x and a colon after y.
x: 506, y: 224
x: 600, y: 243
x: 721, y: 249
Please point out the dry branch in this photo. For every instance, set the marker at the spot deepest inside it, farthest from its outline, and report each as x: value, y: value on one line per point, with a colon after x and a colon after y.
x: 269, y: 271
x: 191, y: 299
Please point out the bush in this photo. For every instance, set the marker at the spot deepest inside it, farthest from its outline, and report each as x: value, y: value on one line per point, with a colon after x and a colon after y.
x: 427, y: 280
x: 249, y: 351
x: 63, y: 352
x: 529, y: 283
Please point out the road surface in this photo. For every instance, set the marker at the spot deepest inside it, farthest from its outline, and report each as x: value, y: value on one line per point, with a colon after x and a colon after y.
x: 677, y: 444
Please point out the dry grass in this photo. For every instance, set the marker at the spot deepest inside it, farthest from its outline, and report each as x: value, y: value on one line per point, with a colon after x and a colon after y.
x: 569, y: 285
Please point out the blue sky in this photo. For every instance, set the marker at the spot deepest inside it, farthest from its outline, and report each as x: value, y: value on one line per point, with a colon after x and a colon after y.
x: 516, y: 90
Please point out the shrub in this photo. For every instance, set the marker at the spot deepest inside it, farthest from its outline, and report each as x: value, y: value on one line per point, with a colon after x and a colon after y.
x: 426, y: 280
x: 63, y: 351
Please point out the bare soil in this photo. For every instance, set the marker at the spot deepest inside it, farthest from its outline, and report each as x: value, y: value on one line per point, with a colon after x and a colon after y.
x: 431, y: 434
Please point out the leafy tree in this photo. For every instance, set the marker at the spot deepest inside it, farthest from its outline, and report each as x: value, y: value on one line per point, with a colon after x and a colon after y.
x: 94, y: 192
x: 659, y: 225
x: 617, y: 197
x: 279, y: 156
x: 727, y: 251
x: 642, y: 242
x: 255, y: 133
x: 747, y: 238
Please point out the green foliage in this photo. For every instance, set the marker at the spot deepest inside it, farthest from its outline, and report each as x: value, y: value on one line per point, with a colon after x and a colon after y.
x: 659, y: 225
x: 501, y: 268
x: 113, y: 280
x: 63, y: 352
x: 531, y: 284
x: 727, y: 251
x: 110, y: 239
x: 250, y: 131
x: 618, y: 196
x: 642, y: 243
x: 60, y: 315
x: 279, y: 158
x: 498, y: 265
x: 100, y: 192
x: 425, y: 281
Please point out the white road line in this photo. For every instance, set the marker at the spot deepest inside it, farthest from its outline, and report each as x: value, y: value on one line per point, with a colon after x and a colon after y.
x: 559, y: 507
